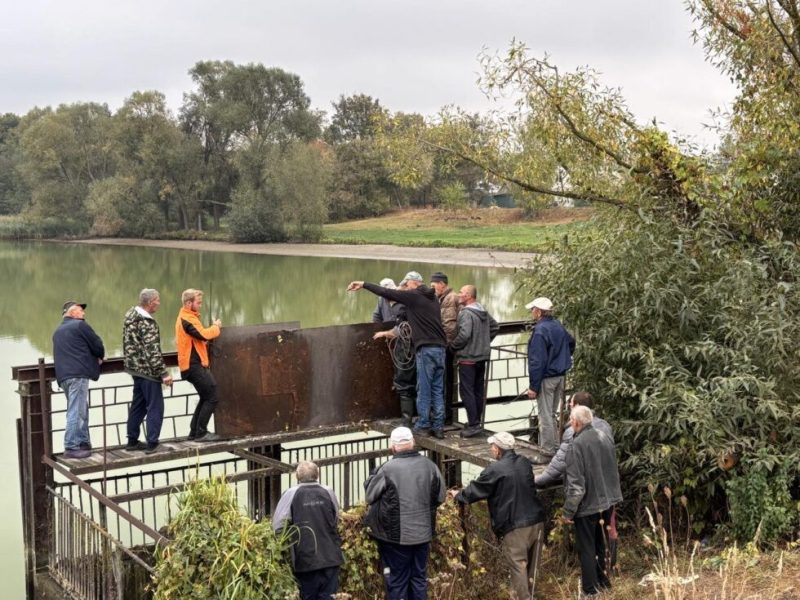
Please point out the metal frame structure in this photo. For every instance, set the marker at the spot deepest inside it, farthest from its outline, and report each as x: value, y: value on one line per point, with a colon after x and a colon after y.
x: 91, y: 533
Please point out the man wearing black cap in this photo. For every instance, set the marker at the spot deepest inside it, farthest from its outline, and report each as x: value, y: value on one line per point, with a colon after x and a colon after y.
x: 449, y: 307
x: 428, y: 338
x: 77, y: 352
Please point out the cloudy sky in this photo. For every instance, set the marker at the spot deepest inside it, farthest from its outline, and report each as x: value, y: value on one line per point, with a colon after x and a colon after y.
x: 413, y: 55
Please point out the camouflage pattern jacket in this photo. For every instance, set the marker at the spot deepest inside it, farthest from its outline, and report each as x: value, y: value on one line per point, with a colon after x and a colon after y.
x: 141, y: 345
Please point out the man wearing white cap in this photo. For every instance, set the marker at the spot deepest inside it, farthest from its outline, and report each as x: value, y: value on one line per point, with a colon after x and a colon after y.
x: 550, y: 352
x: 383, y: 311
x: 402, y: 495
x: 427, y: 335
x: 514, y: 509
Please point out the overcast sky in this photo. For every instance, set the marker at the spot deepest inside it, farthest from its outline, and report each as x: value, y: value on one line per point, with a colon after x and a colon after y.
x: 413, y: 55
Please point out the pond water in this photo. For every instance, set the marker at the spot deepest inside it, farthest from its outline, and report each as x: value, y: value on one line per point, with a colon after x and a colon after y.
x: 241, y: 289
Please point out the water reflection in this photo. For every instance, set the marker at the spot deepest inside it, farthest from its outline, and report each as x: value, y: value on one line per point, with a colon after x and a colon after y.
x: 242, y: 289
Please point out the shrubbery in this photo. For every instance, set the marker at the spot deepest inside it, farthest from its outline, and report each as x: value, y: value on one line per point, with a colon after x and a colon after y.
x: 687, y: 338
x: 218, y: 552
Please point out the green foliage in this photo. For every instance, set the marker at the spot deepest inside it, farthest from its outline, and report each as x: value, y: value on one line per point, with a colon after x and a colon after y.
x: 24, y: 227
x: 760, y: 503
x: 119, y: 207
x: 218, y: 553
x: 354, y: 118
x: 452, y: 196
x: 686, y: 338
x: 282, y: 194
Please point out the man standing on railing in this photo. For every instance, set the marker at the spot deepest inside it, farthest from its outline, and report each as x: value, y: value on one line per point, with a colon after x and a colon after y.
x: 141, y: 347
x: 78, y: 353
x: 549, y: 358
x: 192, y: 341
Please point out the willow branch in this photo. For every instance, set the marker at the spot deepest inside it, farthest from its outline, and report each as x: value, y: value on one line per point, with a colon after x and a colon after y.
x: 792, y: 50
x: 532, y: 187
x: 791, y: 9
x: 722, y: 20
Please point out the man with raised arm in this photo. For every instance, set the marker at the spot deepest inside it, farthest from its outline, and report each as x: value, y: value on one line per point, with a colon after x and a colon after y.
x: 427, y: 335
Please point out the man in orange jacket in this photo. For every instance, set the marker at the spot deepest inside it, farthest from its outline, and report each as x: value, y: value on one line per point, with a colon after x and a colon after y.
x: 192, y: 341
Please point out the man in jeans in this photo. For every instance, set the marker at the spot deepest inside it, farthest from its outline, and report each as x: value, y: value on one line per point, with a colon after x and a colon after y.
x: 141, y: 347
x: 549, y: 358
x: 78, y: 353
x: 427, y: 335
x: 192, y: 339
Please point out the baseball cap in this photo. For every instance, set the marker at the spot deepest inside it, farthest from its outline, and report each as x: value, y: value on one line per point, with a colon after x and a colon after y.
x: 541, y: 303
x: 503, y: 440
x: 388, y: 282
x: 439, y: 276
x: 69, y: 304
x: 411, y: 276
x: 400, y: 435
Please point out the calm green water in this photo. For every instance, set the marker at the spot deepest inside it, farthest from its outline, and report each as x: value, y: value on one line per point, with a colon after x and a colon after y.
x: 241, y: 289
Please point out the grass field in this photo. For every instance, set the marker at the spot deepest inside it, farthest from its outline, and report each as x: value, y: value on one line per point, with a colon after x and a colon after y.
x: 502, y: 229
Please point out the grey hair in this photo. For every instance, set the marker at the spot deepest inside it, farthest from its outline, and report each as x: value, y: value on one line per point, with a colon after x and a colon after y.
x: 147, y: 295
x: 581, y: 414
x: 307, y: 472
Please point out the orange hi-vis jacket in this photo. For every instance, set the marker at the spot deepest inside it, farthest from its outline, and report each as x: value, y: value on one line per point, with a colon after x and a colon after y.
x: 190, y: 333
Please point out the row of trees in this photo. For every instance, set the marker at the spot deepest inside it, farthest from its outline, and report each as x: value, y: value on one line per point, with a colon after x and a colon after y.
x: 246, y: 145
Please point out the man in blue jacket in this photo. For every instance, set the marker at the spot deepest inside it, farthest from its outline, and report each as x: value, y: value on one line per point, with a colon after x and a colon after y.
x: 550, y: 352
x: 78, y: 353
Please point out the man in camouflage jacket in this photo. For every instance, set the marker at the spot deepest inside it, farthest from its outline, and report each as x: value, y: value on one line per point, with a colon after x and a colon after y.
x: 141, y: 345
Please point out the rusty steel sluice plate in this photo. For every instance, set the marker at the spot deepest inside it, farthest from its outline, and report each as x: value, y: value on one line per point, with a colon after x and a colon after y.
x: 288, y: 380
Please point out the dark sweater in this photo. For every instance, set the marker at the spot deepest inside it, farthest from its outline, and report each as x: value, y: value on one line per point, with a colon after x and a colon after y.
x: 76, y: 350
x: 424, y: 314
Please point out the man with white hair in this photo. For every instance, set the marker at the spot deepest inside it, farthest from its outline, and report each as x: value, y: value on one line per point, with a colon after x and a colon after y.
x: 402, y: 495
x: 514, y: 509
x: 592, y: 490
x: 141, y: 347
x: 312, y: 511
x: 427, y: 335
x: 383, y: 310
x: 550, y: 350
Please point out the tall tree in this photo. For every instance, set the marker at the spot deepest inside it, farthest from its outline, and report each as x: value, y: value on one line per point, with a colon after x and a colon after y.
x: 237, y: 106
x: 354, y: 118
x: 63, y: 153
x: 13, y: 194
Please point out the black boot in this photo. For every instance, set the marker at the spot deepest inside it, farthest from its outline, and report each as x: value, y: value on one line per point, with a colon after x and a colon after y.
x: 407, y: 405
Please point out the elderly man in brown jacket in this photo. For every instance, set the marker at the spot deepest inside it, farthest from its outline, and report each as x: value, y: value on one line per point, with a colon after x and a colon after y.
x: 449, y: 304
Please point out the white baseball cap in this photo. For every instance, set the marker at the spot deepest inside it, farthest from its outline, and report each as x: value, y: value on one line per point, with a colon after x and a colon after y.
x: 401, y: 435
x: 503, y: 440
x: 541, y: 303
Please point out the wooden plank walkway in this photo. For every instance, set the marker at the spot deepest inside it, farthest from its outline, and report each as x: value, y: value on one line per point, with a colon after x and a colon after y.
x: 473, y: 450
x: 117, y: 457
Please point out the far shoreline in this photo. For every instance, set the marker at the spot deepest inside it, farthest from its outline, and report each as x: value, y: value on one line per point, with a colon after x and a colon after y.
x: 473, y: 257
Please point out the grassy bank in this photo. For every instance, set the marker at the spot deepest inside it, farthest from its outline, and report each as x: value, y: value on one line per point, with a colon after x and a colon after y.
x: 501, y: 229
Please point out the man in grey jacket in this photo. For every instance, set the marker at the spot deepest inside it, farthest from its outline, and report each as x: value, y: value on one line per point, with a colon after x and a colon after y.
x: 592, y: 490
x: 402, y: 495
x: 558, y: 466
x: 472, y: 345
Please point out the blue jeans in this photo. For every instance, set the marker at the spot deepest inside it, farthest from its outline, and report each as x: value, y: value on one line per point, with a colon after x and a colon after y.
x: 76, y: 431
x: 430, y: 387
x: 148, y: 399
x: 404, y: 569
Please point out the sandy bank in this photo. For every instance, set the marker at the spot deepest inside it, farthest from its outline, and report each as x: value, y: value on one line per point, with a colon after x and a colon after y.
x: 449, y: 256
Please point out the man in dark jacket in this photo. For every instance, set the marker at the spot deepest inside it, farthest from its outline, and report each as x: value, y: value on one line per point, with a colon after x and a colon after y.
x: 592, y: 490
x: 550, y: 352
x: 402, y: 495
x: 313, y: 510
x: 472, y: 346
x: 78, y: 353
x: 555, y: 470
x: 428, y: 338
x: 514, y: 508
x: 141, y: 347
